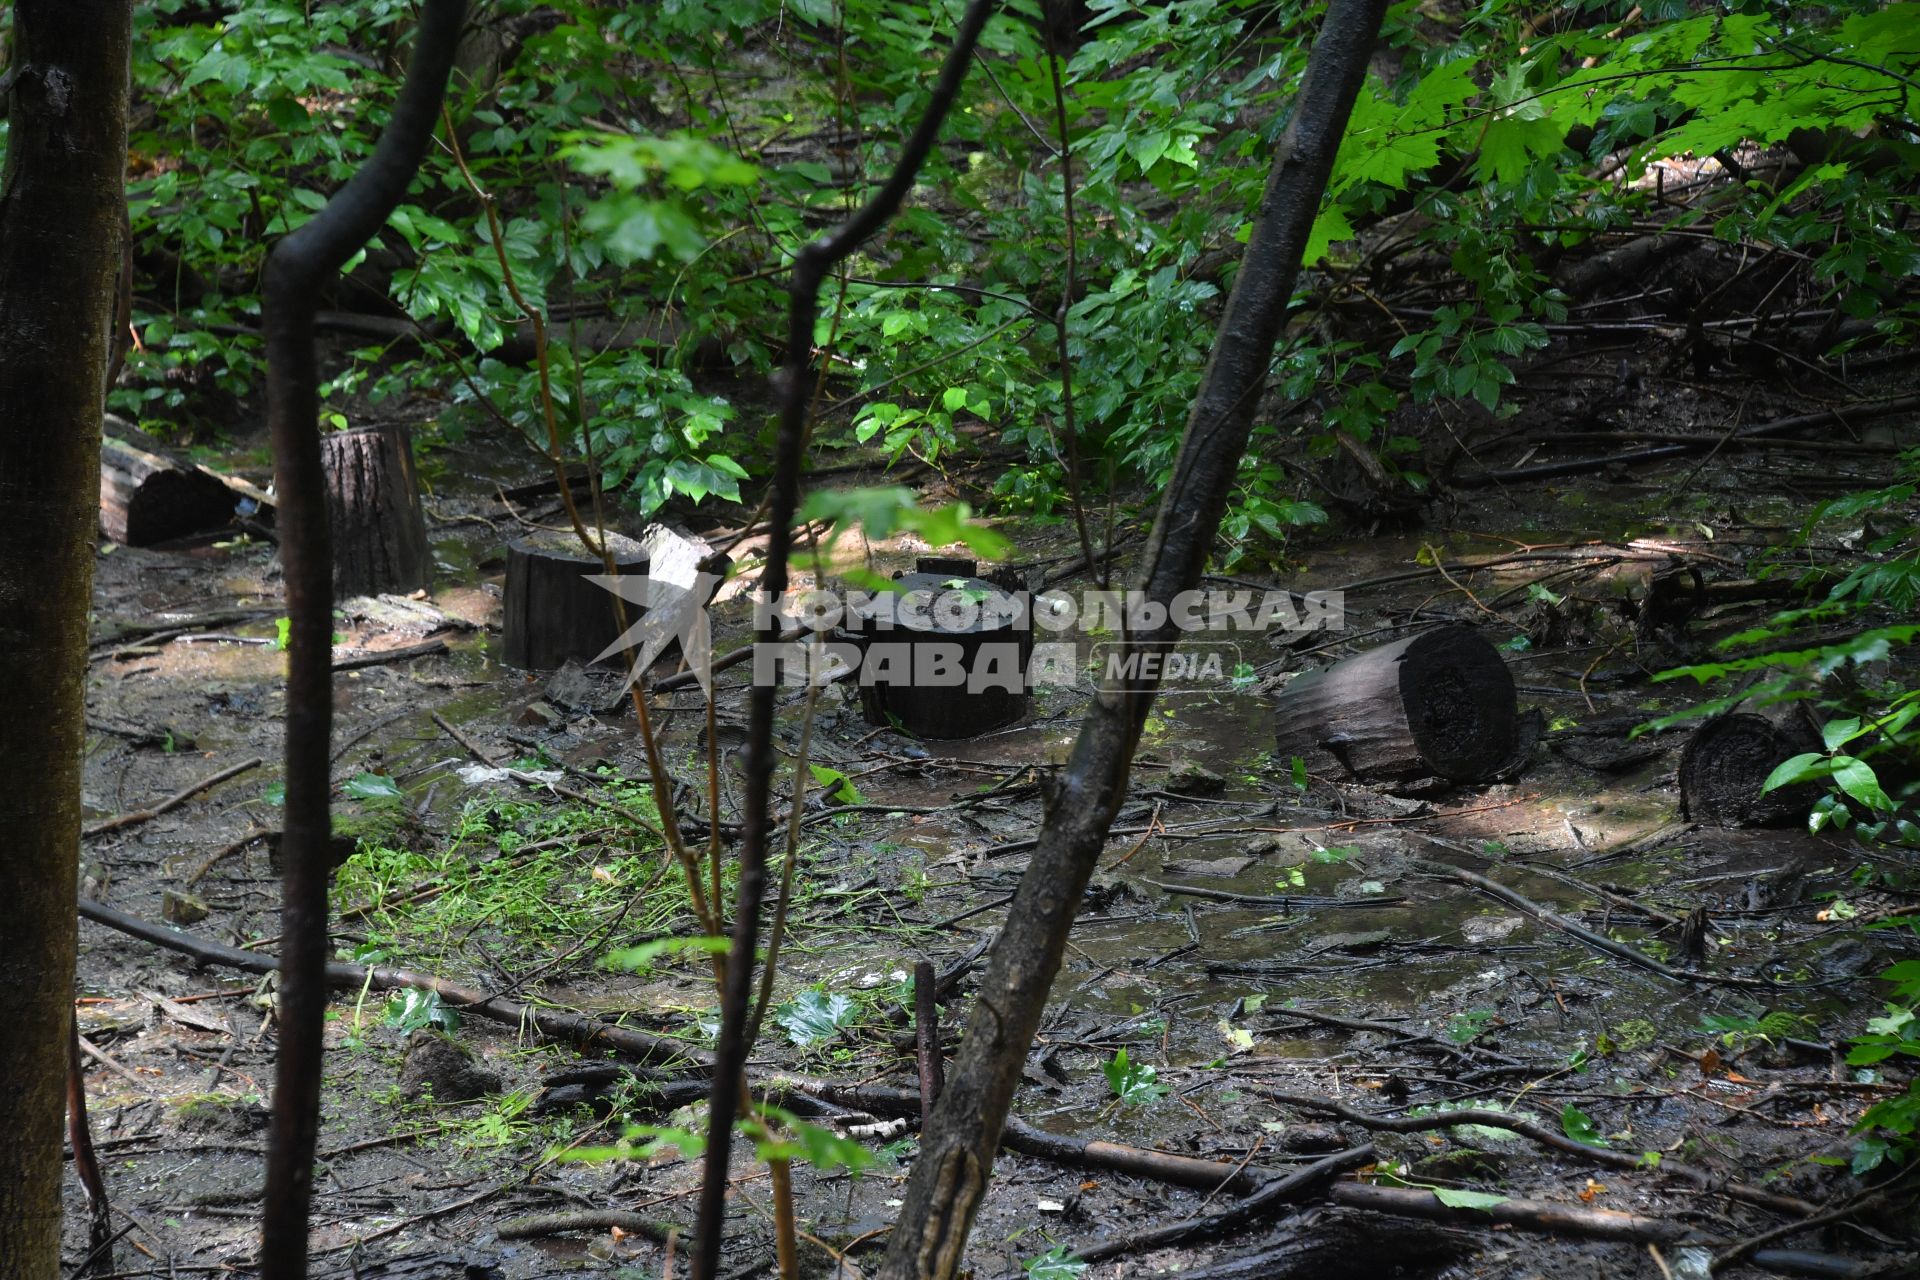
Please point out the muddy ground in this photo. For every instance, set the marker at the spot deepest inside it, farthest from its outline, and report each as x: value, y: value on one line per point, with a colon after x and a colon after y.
x: 1246, y: 937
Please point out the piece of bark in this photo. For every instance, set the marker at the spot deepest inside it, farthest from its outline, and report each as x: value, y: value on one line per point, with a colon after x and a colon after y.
x: 552, y: 612
x: 1727, y: 760
x: 373, y: 509
x: 1438, y: 703
x: 148, y: 497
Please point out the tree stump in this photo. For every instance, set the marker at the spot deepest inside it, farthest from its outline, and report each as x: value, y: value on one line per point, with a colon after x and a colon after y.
x: 1727, y: 760
x: 945, y: 654
x: 1440, y: 703
x: 552, y: 613
x: 148, y: 497
x: 373, y: 508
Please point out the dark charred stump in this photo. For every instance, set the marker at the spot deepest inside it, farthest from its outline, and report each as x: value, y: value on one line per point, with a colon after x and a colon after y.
x: 552, y: 612
x: 373, y: 506
x: 1440, y: 703
x: 148, y: 497
x: 1728, y: 759
x: 945, y: 654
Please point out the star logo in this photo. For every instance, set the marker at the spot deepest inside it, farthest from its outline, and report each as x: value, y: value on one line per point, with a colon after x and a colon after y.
x: 672, y: 611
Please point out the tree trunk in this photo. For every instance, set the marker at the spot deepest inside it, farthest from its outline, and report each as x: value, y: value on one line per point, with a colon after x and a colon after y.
x: 148, y: 497
x: 1440, y: 703
x: 373, y: 511
x: 1727, y: 760
x: 551, y: 612
x: 810, y: 267
x: 62, y: 199
x: 949, y: 1177
x: 296, y: 270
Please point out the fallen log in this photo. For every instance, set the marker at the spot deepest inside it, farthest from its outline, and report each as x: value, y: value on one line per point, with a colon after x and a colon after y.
x: 1728, y: 759
x: 148, y: 497
x: 551, y: 611
x: 373, y: 508
x: 1440, y: 703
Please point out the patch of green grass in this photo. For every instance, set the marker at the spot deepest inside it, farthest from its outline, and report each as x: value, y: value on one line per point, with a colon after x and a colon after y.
x: 529, y: 880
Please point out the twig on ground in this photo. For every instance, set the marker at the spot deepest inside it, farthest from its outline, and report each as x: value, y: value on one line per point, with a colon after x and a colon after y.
x: 174, y: 801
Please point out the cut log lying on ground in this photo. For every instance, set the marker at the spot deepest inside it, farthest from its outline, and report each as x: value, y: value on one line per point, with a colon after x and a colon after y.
x: 1440, y: 703
x: 373, y: 509
x: 552, y: 613
x: 147, y: 497
x: 1728, y: 759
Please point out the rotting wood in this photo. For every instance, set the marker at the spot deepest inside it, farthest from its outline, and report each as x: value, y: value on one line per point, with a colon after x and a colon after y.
x: 926, y: 1026
x: 1727, y: 759
x: 148, y: 497
x: 570, y: 1028
x: 1439, y: 703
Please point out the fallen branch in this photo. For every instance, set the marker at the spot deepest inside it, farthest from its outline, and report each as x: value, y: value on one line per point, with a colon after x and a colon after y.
x: 474, y: 749
x: 571, y: 1028
x: 174, y: 801
x: 726, y: 661
x: 1550, y: 1218
x: 1277, y: 1191
x: 785, y: 1089
x: 380, y: 657
x: 550, y: 1224
x: 224, y: 851
x: 1534, y: 1131
x: 1464, y: 1051
x: 1255, y: 899
x: 122, y: 631
x: 1531, y: 1215
x: 1857, y: 412
x: 1598, y: 941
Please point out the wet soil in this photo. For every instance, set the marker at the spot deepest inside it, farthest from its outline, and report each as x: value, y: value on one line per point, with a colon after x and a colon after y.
x: 1225, y: 938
